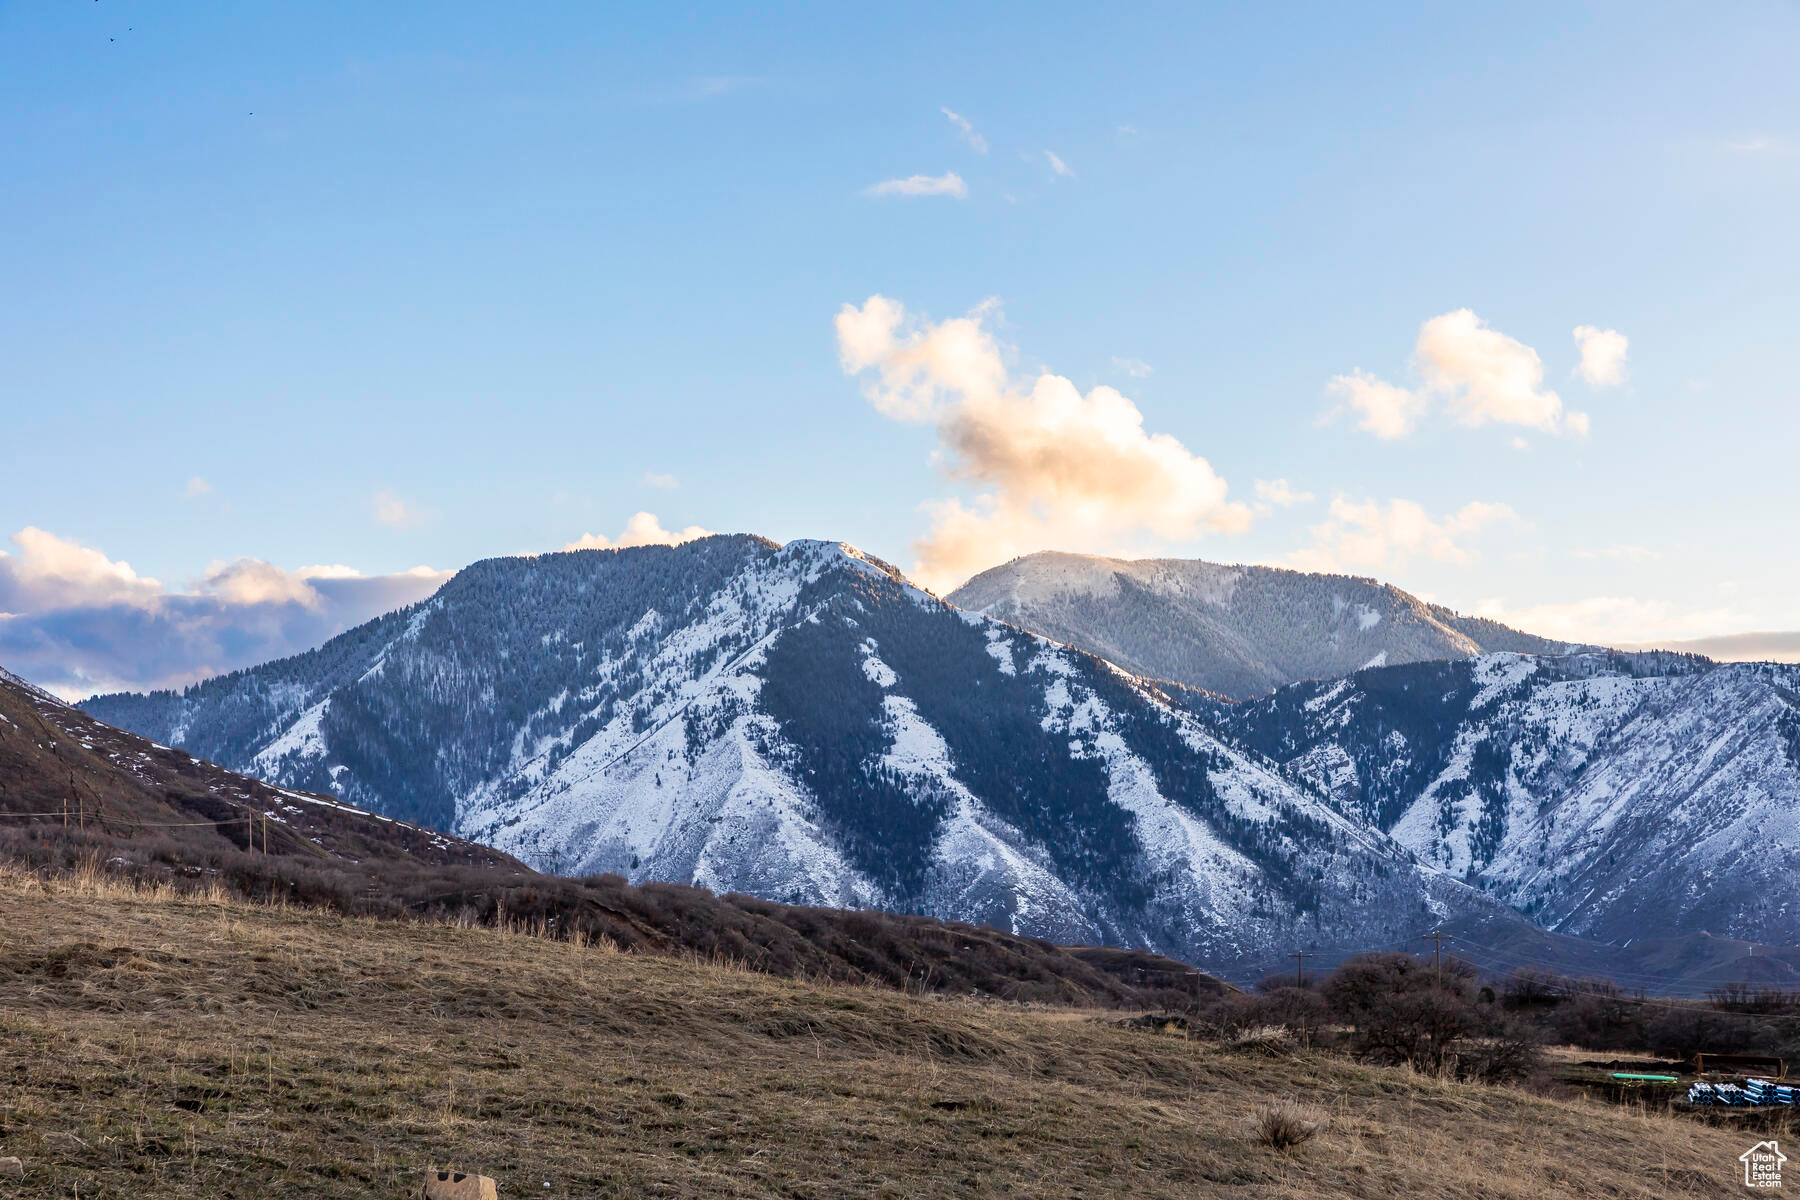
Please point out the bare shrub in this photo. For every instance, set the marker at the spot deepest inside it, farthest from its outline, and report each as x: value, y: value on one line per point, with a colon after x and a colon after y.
x: 1533, y: 987
x: 1286, y: 1126
x: 1404, y: 1010
x: 1301, y: 1011
x: 1598, y: 1015
x: 1512, y: 1052
x: 1686, y: 1029
x: 1743, y: 998
x: 1262, y: 1039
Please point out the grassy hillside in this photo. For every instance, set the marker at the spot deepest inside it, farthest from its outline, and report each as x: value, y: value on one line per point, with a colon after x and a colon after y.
x: 203, y: 1047
x: 157, y: 815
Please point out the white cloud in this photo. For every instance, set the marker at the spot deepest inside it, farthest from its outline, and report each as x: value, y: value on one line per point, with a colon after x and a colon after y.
x: 1058, y: 165
x: 397, y: 513
x: 1382, y: 409
x: 1603, y: 354
x: 643, y: 529
x: 1479, y: 374
x: 52, y: 572
x: 196, y: 486
x: 1280, y: 493
x: 1369, y: 536
x: 665, y: 483
x: 79, y: 622
x: 1054, y: 468
x: 1610, y: 620
x: 1618, y: 553
x: 253, y: 581
x: 969, y: 133
x: 1137, y: 368
x: 947, y: 184
x: 1732, y: 647
x: 1486, y: 376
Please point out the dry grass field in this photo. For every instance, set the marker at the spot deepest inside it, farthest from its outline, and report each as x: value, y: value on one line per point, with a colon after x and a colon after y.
x: 156, y: 1045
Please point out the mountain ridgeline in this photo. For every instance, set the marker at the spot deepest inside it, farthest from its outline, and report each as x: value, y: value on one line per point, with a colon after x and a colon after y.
x: 800, y: 723
x: 1239, y: 631
x: 1606, y: 794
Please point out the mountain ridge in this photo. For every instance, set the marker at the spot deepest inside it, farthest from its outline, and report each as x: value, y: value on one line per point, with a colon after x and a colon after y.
x: 800, y: 723
x: 1608, y: 794
x: 1237, y: 630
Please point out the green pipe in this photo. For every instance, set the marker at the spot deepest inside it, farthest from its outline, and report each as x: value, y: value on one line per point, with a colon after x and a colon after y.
x: 1652, y: 1078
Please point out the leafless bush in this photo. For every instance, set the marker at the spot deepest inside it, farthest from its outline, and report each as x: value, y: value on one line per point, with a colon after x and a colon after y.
x: 1685, y: 1029
x: 1404, y: 1010
x: 1765, y: 999
x: 1533, y: 987
x: 1301, y: 1011
x: 1263, y: 1039
x: 1512, y: 1052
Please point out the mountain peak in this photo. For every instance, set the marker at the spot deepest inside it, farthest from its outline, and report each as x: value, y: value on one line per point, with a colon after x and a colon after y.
x: 800, y: 723
x: 1237, y: 630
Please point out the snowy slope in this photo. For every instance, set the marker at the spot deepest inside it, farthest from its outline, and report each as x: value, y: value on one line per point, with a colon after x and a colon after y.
x: 800, y: 723
x: 1607, y: 794
x: 1237, y: 630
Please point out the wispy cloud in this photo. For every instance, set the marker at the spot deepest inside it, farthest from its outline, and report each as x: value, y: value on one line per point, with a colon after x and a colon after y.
x: 1280, y: 494
x: 196, y: 486
x: 1618, y: 553
x: 664, y: 483
x: 1058, y: 165
x: 947, y: 184
x: 1611, y: 620
x: 970, y: 134
x: 1137, y: 368
x: 1733, y: 647
x: 397, y: 513
x: 705, y: 87
x: 643, y: 529
x: 1368, y: 535
x: 1381, y: 408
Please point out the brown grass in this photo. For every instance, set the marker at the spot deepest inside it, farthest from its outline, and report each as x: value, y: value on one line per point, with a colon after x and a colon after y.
x: 202, y: 1047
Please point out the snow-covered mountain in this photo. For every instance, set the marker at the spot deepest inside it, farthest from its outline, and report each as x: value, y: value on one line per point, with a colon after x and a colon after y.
x: 1611, y: 795
x: 800, y: 723
x: 1236, y: 630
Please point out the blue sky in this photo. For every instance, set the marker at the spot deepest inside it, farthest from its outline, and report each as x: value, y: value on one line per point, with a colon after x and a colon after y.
x: 380, y: 286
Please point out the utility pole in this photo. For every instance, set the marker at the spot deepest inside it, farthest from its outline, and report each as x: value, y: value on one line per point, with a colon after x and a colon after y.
x: 1437, y: 938
x: 1300, y: 957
